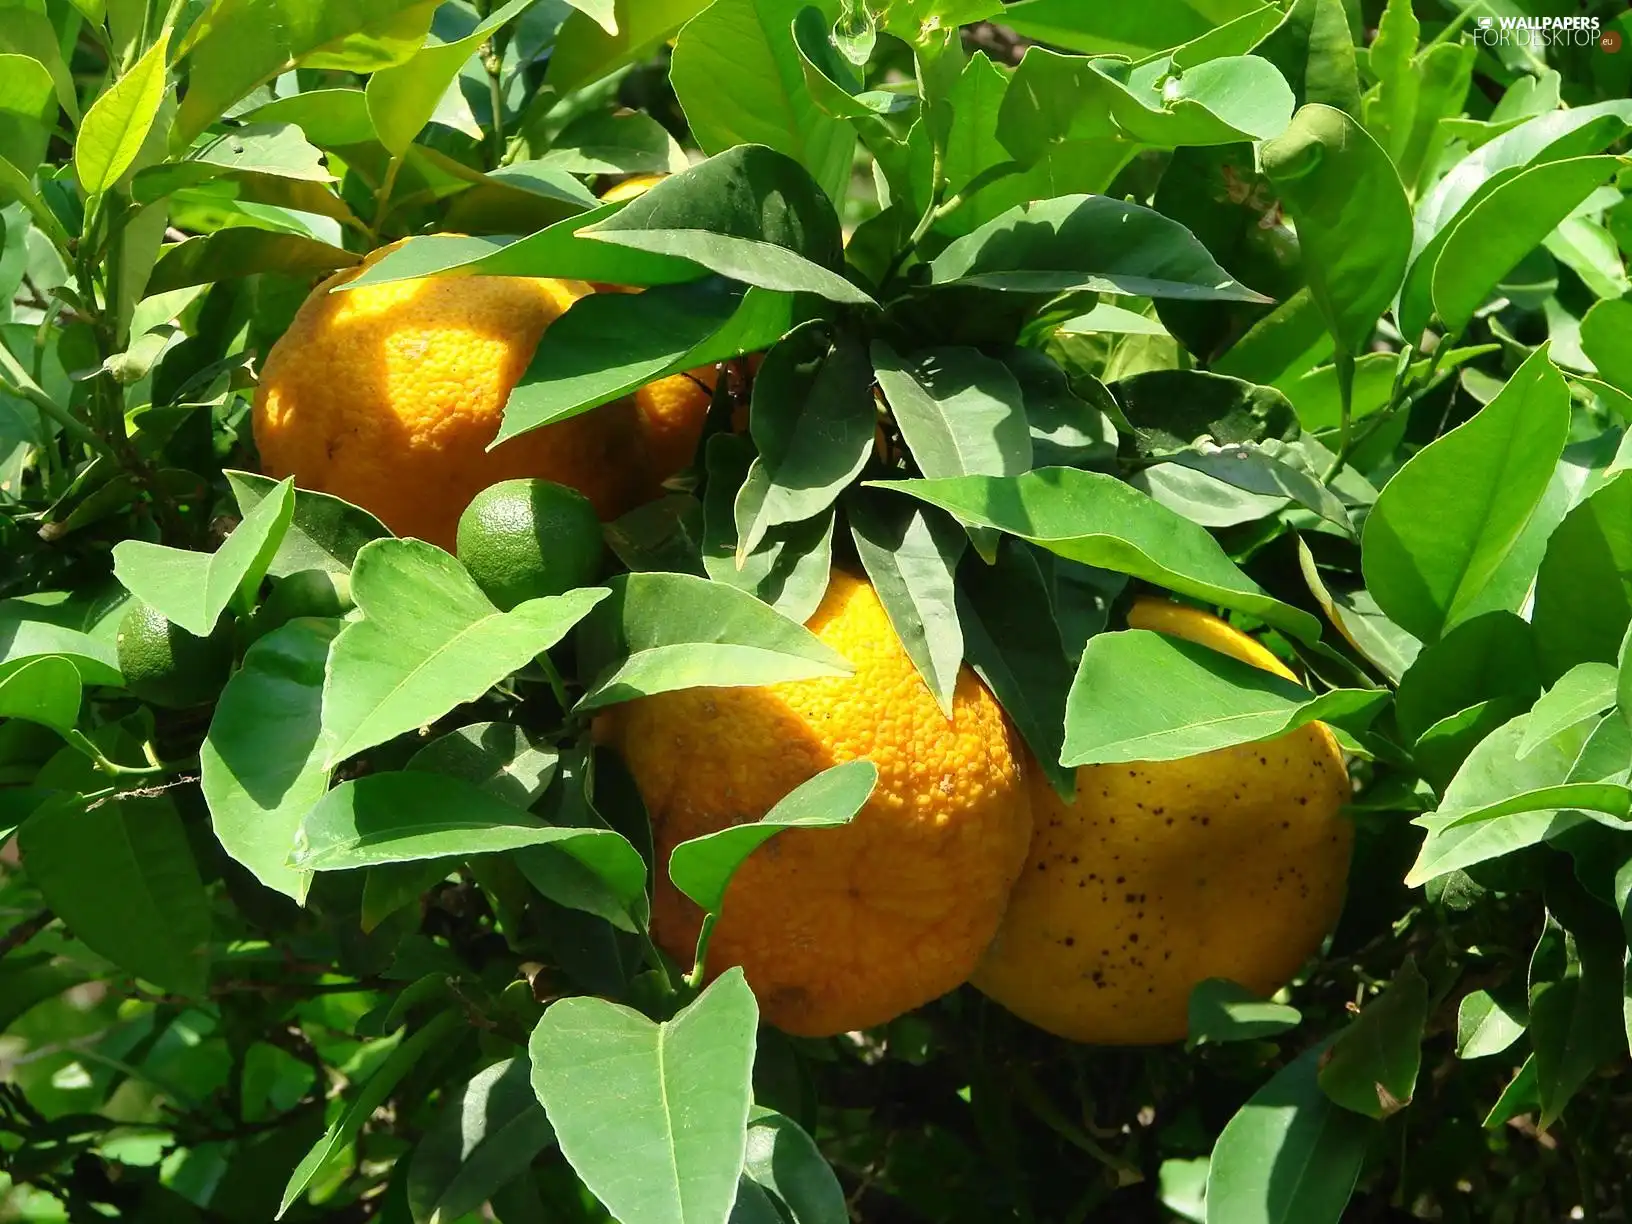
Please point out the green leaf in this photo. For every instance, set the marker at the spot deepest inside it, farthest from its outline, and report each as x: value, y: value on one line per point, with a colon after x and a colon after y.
x: 910, y: 554
x: 45, y: 691
x: 193, y: 589
x: 1583, y: 599
x: 1012, y: 640
x: 739, y: 78
x: 121, y: 876
x: 1446, y: 523
x: 1066, y: 430
x: 1353, y: 218
x: 330, y: 118
x: 28, y: 632
x: 610, y: 143
x: 702, y: 868
x: 1098, y: 520
x: 960, y: 411
x: 1144, y: 696
x: 1606, y: 337
x: 1504, y: 227
x: 661, y: 632
x: 1372, y: 1066
x: 681, y: 1091
x: 406, y: 816
x: 1131, y: 30
x: 238, y: 44
x: 1080, y: 242
x: 1586, y: 690
x: 1173, y: 410
x: 429, y: 640
x: 1254, y: 470
x: 402, y: 98
x: 262, y: 763
x: 785, y: 1162
x: 585, y: 51
x: 751, y: 214
x: 1056, y: 98
x: 1575, y: 1008
x: 28, y: 109
x: 486, y: 1133
x: 1222, y: 1010
x: 1390, y: 649
x: 324, y: 533
x: 357, y: 1111
x: 1289, y: 1155
x: 1314, y: 49
x: 1519, y: 1097
x: 790, y: 567
x: 116, y: 126
x: 243, y: 251
x: 499, y: 757
x: 1491, y: 656
x: 813, y: 420
x: 1485, y: 1025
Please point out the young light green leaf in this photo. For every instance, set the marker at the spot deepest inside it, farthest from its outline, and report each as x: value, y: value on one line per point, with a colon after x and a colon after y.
x: 587, y: 49
x: 1353, y: 218
x: 660, y: 632
x: 29, y: 631
x: 121, y: 875
x: 1445, y: 524
x: 1587, y: 689
x: 262, y: 763
x: 681, y: 1091
x: 813, y: 420
x: 1583, y: 599
x: 1372, y: 1066
x: 702, y: 868
x: 486, y: 1133
x: 910, y: 554
x: 1100, y: 521
x: 1081, y: 242
x: 387, y: 1075
x: 28, y: 112
x: 193, y: 589
x: 1606, y: 338
x: 1314, y: 49
x: 1133, y: 32
x: 324, y: 532
x: 1222, y: 1010
x: 1485, y: 1025
x: 960, y: 411
x: 402, y: 98
x: 429, y: 640
x: 45, y: 691
x: 1144, y: 696
x: 1290, y: 1155
x: 114, y: 129
x: 790, y: 568
x: 405, y: 816
x: 739, y: 78
x: 749, y: 213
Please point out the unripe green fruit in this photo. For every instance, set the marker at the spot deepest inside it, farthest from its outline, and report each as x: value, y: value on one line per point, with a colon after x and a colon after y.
x: 165, y: 665
x: 524, y: 539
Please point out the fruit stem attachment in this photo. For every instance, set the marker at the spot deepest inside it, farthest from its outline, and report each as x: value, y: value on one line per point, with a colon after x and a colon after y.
x: 694, y: 979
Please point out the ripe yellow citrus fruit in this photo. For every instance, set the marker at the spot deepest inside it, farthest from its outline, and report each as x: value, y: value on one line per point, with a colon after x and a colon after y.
x: 845, y: 928
x: 388, y: 396
x: 673, y: 411
x: 1230, y: 864
x: 629, y: 188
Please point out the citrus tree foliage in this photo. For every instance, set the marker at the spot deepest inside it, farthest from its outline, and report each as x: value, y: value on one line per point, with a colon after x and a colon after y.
x: 1306, y: 311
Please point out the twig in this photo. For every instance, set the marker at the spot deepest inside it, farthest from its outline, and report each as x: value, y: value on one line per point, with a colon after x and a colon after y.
x: 25, y: 931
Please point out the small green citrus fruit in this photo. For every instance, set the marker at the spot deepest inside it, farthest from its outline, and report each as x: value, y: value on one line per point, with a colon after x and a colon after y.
x: 524, y: 539
x: 165, y: 665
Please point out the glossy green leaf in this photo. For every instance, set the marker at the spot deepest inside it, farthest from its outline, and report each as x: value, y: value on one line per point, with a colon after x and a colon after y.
x: 616, y: 143
x: 681, y: 1091
x: 1353, y: 218
x: 1080, y: 242
x: 28, y: 631
x: 1587, y: 689
x: 740, y: 80
x: 1098, y: 520
x: 262, y: 764
x: 193, y: 589
x: 785, y: 1162
x: 121, y: 875
x: 1144, y: 696
x: 1491, y: 656
x: 1606, y: 337
x: 1314, y: 50
x: 1134, y: 31
x: 238, y: 44
x: 242, y: 251
x: 585, y: 51
x: 1289, y: 1155
x: 813, y: 420
x: 113, y: 130
x: 1372, y: 1066
x: 429, y: 640
x: 910, y: 554
x: 1174, y: 410
x: 1446, y: 523
x: 1583, y: 598
x: 324, y: 532
x: 749, y: 213
x: 1256, y: 470
x: 28, y: 110
x: 1485, y: 1025
x: 45, y: 690
x: 660, y: 632
x: 499, y: 757
x: 960, y: 411
x: 1221, y: 1010
x: 486, y: 1133
x: 702, y: 868
x: 360, y: 1108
